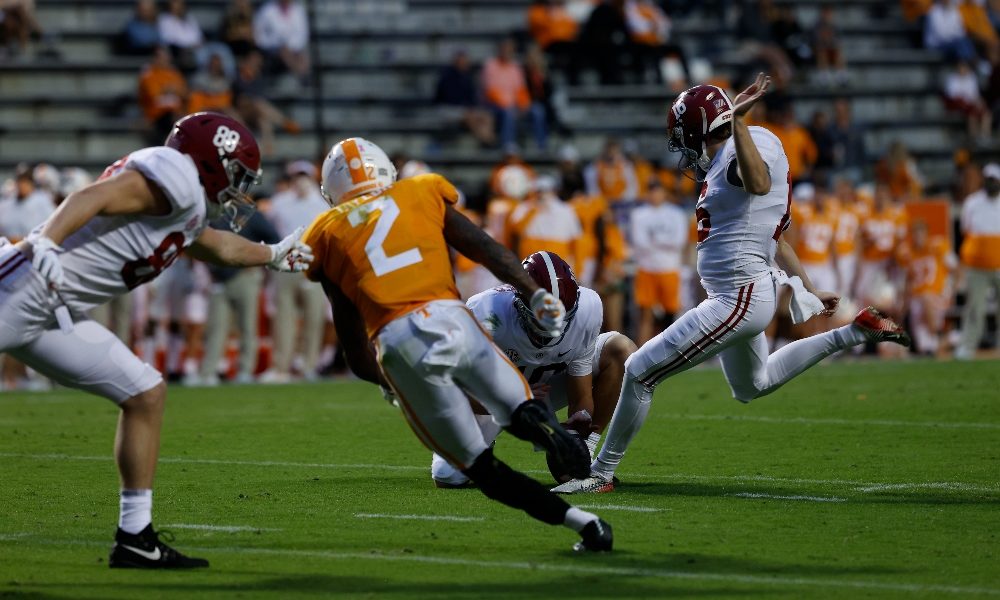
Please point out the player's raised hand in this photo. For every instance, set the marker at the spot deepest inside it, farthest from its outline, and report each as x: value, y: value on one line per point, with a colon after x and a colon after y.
x: 549, y: 312
x: 291, y: 254
x: 745, y: 100
x: 45, y: 259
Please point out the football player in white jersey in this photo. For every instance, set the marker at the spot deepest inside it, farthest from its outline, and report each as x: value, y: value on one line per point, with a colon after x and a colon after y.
x: 111, y: 237
x: 580, y: 370
x: 742, y: 211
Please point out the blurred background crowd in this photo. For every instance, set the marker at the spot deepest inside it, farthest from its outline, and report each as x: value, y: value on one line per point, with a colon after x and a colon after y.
x: 549, y: 116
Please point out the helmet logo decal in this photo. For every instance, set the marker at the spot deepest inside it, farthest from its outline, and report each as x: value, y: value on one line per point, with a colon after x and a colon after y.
x: 226, y: 139
x: 679, y: 108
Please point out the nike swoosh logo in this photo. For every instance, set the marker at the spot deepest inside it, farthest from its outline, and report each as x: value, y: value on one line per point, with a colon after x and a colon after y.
x: 562, y: 354
x: 154, y: 555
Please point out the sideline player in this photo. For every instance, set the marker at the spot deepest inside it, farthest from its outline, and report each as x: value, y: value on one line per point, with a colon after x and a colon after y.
x: 107, y: 239
x: 384, y: 262
x: 580, y: 370
x: 742, y: 211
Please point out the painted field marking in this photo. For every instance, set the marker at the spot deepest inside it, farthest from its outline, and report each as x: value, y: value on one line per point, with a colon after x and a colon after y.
x: 860, y: 486
x: 222, y: 528
x: 814, y: 421
x: 777, y: 497
x: 587, y: 568
x: 622, y: 507
x: 418, y: 517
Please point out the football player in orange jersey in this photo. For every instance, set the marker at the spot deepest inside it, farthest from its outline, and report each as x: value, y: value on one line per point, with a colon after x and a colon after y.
x: 850, y: 211
x: 882, y: 231
x: 929, y: 262
x: 813, y: 240
x: 382, y: 258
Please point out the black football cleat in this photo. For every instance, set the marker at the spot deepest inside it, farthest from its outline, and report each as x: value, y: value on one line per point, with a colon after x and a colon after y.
x: 144, y: 550
x: 533, y: 421
x: 595, y: 537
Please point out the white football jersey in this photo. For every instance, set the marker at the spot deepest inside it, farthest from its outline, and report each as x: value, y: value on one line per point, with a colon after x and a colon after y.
x: 109, y: 256
x: 738, y: 231
x: 659, y: 235
x: 572, y: 353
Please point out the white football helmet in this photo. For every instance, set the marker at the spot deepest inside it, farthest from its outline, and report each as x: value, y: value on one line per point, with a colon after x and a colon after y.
x: 514, y: 182
x: 412, y: 168
x: 356, y: 167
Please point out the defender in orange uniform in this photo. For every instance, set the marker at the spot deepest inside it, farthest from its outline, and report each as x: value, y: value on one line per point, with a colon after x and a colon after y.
x: 382, y: 258
x: 929, y: 262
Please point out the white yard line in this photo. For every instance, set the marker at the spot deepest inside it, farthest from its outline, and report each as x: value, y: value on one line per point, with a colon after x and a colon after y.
x: 860, y: 486
x: 585, y: 568
x: 812, y: 421
x: 222, y: 528
x: 622, y: 507
x: 418, y: 517
x: 776, y: 497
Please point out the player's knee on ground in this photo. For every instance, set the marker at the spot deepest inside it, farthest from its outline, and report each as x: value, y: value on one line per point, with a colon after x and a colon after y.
x: 501, y: 483
x: 152, y: 399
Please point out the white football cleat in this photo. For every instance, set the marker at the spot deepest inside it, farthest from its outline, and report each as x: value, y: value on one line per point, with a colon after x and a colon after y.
x: 590, y: 485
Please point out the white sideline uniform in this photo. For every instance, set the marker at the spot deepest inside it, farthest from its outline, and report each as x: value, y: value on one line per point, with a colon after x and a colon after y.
x: 737, y: 235
x: 576, y: 353
x: 106, y: 258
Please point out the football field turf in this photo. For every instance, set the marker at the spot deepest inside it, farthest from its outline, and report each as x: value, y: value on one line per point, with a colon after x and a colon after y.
x: 873, y: 480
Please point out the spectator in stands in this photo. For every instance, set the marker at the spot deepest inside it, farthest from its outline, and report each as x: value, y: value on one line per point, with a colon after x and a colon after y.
x: 142, y: 33
x: 754, y: 30
x: 17, y: 26
x: 788, y: 34
x: 235, y: 290
x: 898, y: 171
x: 991, y: 92
x: 799, y: 146
x: 826, y: 47
x: 604, y: 42
x: 658, y: 230
x: 236, y: 29
x: 180, y: 31
x: 211, y: 89
x: 555, y: 30
x: 650, y: 30
x: 26, y: 207
x: 962, y: 95
x: 162, y: 94
x: 295, y: 296
x: 254, y: 107
x: 612, y: 176
x: 458, y: 100
x: 544, y: 117
x: 847, y: 142
x: 506, y: 91
x: 980, y: 254
x: 281, y: 30
x: 945, y: 32
x: 821, y: 131
x: 976, y: 20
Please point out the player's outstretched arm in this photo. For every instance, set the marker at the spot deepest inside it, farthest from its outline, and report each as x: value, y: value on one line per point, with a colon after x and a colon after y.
x: 472, y: 241
x: 353, y: 338
x: 753, y: 169
x: 226, y: 248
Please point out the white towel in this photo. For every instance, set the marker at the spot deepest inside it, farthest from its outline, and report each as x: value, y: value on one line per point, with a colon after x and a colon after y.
x: 804, y: 305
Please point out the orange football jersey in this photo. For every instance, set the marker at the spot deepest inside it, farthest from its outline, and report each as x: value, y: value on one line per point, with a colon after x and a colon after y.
x: 927, y: 268
x: 387, y: 252
x: 588, y: 209
x: 848, y: 222
x: 881, y: 232
x: 816, y: 231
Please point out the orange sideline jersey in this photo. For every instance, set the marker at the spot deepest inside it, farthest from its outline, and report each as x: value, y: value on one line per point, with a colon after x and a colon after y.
x: 815, y: 234
x: 881, y: 232
x: 927, y: 268
x: 588, y: 209
x: 387, y: 253
x: 848, y: 222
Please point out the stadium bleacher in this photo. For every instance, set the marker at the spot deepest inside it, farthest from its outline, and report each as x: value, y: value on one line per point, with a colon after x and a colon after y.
x: 379, y: 62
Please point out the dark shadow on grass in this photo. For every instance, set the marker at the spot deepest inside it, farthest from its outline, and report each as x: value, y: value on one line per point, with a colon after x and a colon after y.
x: 462, y: 585
x: 852, y: 496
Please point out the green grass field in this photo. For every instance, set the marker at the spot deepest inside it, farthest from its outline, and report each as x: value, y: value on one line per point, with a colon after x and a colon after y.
x: 875, y: 480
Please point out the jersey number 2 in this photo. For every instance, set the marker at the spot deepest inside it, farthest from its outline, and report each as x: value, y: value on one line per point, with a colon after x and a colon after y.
x: 381, y: 262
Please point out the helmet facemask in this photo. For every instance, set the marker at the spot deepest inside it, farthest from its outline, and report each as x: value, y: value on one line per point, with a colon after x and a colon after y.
x: 536, y: 333
x: 235, y: 203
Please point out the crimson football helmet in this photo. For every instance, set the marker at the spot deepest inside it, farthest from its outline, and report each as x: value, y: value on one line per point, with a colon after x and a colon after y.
x: 554, y: 275
x: 228, y: 162
x: 698, y: 116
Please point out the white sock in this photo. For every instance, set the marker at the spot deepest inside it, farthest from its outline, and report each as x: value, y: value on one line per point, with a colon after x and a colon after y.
x: 592, y: 441
x: 577, y: 519
x: 630, y: 414
x: 136, y: 510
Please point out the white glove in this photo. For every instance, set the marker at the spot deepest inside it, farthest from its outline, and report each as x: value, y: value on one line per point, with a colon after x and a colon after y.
x: 549, y: 312
x: 291, y: 254
x: 46, y: 261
